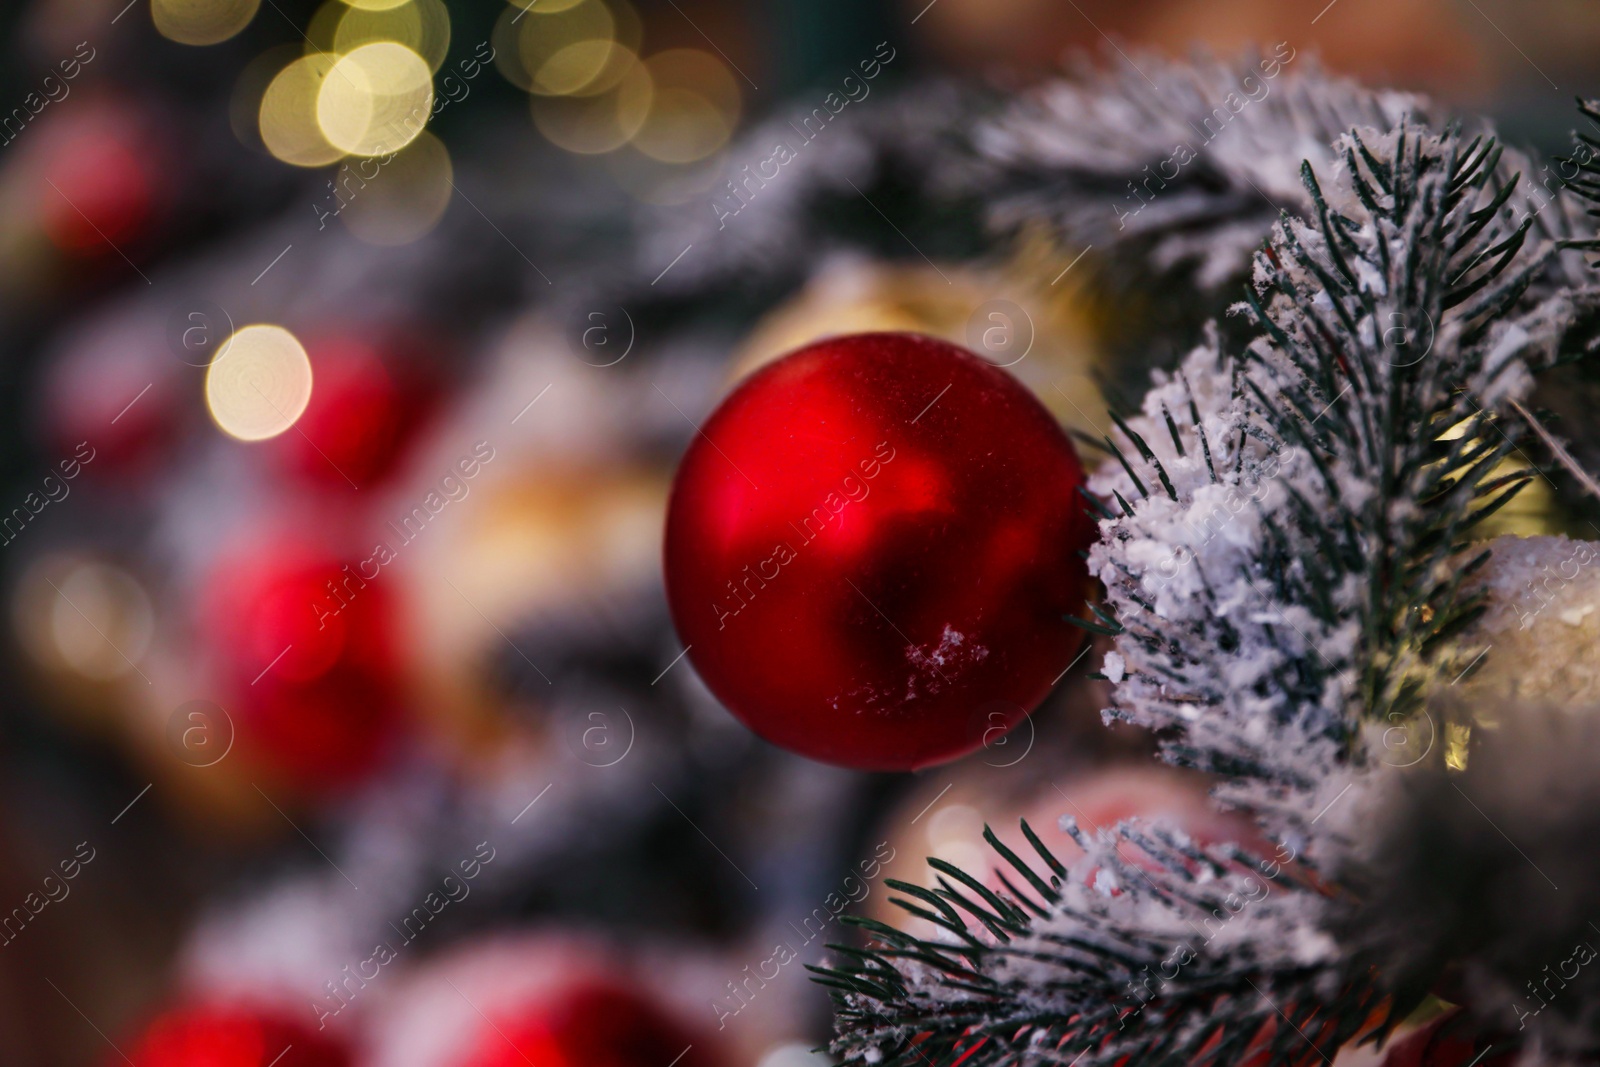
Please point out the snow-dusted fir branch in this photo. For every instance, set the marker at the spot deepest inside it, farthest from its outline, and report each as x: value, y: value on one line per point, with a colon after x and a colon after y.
x: 1149, y: 950
x: 1281, y: 551
x: 1581, y: 169
x: 1164, y: 164
x: 1174, y: 164
x: 1312, y: 541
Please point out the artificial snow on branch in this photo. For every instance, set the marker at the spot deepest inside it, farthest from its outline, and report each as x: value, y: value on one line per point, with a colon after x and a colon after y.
x: 1285, y: 549
x: 1174, y: 164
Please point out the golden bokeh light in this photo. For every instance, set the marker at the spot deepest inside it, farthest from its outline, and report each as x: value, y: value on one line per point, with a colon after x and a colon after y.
x: 584, y: 68
x: 374, y: 5
x: 629, y: 31
x: 83, y: 615
x: 503, y: 38
x: 542, y: 35
x: 421, y: 25
x: 244, y: 102
x: 201, y: 21
x: 375, y: 99
x: 683, y: 127
x: 318, y: 34
x: 694, y: 110
x: 259, y: 383
x: 288, y: 114
x: 556, y: 51
x: 102, y: 621
x: 604, y: 122
x: 704, y: 73
x: 405, y: 198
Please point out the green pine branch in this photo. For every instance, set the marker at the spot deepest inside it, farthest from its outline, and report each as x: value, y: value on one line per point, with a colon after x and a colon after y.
x: 1363, y: 425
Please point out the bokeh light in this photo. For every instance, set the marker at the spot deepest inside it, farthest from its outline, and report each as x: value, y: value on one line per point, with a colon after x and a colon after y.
x: 99, y: 180
x: 407, y: 196
x: 83, y: 615
x: 318, y: 35
x: 603, y: 122
x: 593, y: 93
x: 421, y: 25
x: 259, y: 383
x: 538, y: 38
x: 694, y: 109
x: 244, y: 102
x: 201, y: 21
x: 584, y: 68
x: 289, y: 125
x: 375, y: 99
x: 562, y: 50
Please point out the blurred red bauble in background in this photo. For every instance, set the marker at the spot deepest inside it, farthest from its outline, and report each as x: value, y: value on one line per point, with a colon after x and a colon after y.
x: 592, y: 1025
x: 306, y: 647
x: 98, y: 180
x: 1099, y: 800
x: 231, y: 1036
x: 872, y: 548
x: 362, y: 416
x: 113, y: 408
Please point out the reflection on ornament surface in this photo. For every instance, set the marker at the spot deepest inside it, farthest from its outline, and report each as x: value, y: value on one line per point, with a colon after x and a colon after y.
x: 868, y: 539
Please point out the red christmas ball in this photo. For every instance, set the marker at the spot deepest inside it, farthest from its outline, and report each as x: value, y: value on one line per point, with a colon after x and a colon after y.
x: 232, y: 1036
x: 308, y: 650
x: 1101, y: 799
x: 872, y: 548
x: 361, y: 418
x: 592, y: 1025
x: 98, y: 181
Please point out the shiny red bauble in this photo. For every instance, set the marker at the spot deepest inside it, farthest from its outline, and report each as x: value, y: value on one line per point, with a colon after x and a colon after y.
x: 231, y: 1036
x: 307, y: 648
x: 871, y: 550
x: 1101, y: 799
x: 591, y: 1025
x: 364, y: 414
x: 98, y: 182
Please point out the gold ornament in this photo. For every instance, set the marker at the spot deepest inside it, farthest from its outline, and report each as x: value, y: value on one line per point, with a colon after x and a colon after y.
x: 1011, y: 316
x: 1541, y: 631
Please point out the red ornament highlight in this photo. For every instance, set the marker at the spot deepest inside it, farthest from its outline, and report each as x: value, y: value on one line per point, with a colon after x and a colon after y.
x: 308, y: 652
x: 362, y: 418
x: 232, y: 1036
x: 592, y: 1025
x: 98, y: 181
x: 872, y: 548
